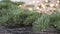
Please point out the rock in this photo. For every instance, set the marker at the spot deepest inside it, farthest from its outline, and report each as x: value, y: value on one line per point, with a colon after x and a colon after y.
x: 6, y: 33
x: 3, y: 29
x: 20, y: 30
x: 25, y: 30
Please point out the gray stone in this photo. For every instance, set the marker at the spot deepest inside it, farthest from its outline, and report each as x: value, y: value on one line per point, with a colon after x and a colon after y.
x: 3, y: 29
x: 25, y: 30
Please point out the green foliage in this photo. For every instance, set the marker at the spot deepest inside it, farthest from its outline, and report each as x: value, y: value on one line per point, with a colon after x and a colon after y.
x: 57, y: 25
x: 19, y: 3
x: 54, y: 17
x: 7, y: 11
x: 45, y: 21
x: 41, y: 23
x: 11, y: 15
x: 55, y: 20
x: 6, y: 0
x: 31, y: 19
